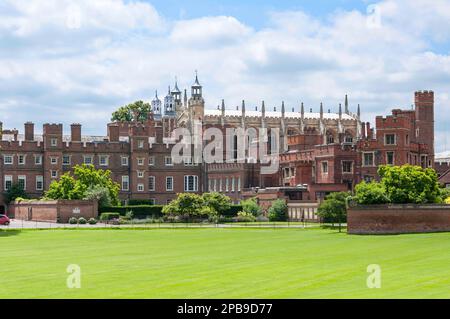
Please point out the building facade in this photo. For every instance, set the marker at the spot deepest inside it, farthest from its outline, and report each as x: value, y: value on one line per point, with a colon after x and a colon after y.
x: 318, y: 152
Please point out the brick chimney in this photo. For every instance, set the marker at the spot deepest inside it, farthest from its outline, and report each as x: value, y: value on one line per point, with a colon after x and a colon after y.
x: 369, y: 131
x: 75, y: 132
x: 113, y: 132
x: 29, y: 131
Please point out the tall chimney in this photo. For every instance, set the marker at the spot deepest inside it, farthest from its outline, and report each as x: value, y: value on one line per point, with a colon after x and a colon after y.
x: 113, y: 132
x: 75, y: 132
x: 29, y: 131
x: 369, y: 131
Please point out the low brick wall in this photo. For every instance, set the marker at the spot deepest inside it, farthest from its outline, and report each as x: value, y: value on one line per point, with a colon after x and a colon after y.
x: 53, y: 211
x: 398, y: 219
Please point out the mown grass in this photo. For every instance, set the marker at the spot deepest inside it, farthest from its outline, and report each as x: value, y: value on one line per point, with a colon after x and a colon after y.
x: 222, y: 263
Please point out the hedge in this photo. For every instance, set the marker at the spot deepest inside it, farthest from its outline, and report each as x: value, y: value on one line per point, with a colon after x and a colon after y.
x: 108, y: 216
x: 139, y: 202
x: 156, y: 210
x: 138, y: 210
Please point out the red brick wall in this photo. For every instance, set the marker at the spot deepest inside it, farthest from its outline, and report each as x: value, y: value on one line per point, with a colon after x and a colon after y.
x: 53, y: 211
x: 398, y: 219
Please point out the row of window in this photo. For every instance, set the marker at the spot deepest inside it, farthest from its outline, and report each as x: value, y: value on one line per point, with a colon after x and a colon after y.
x: 22, y: 182
x: 190, y: 184
x: 229, y: 184
x: 89, y: 159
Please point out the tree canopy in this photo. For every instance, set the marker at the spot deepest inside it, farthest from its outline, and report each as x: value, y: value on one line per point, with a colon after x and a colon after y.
x: 334, y: 208
x: 278, y: 211
x: 134, y: 111
x: 405, y: 184
x: 15, y: 191
x: 85, y: 181
x: 187, y: 205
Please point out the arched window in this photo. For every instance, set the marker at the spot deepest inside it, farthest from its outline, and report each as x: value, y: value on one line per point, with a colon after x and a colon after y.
x: 330, y: 138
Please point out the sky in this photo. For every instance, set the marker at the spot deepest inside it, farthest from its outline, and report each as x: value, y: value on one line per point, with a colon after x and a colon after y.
x: 77, y: 61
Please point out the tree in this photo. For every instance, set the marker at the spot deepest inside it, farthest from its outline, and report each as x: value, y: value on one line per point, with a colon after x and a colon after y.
x: 82, y: 184
x: 278, y: 211
x: 334, y: 209
x: 65, y: 188
x: 134, y: 111
x: 218, y: 202
x: 251, y: 206
x: 99, y: 193
x: 370, y: 193
x: 15, y: 191
x: 187, y: 205
x: 410, y: 184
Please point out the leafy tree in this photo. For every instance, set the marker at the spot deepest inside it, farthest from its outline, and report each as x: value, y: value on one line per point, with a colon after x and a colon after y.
x: 134, y: 111
x: 188, y: 205
x: 15, y: 191
x: 251, y: 206
x: 370, y: 193
x: 334, y: 209
x: 278, y: 211
x: 218, y: 202
x: 99, y: 193
x: 82, y: 184
x: 410, y: 184
x: 65, y: 188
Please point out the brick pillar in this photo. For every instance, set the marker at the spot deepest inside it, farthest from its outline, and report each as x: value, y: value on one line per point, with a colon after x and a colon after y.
x: 29, y: 131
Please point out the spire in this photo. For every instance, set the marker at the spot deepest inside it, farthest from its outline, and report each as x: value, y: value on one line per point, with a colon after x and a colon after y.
x: 358, y: 112
x: 176, y: 89
x: 321, y: 110
x: 243, y: 107
x: 282, y: 108
x: 263, y: 109
x: 185, y: 98
x: 340, y: 110
x: 223, y: 107
x: 302, y: 110
x: 196, y: 83
x: 346, y: 104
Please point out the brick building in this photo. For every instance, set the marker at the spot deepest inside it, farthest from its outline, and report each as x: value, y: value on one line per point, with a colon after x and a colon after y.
x: 318, y: 152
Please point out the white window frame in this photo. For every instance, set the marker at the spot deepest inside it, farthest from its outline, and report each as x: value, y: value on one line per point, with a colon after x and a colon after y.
x: 124, y: 160
x: 239, y: 184
x: 324, y: 167
x: 54, y: 160
x: 54, y: 173
x: 233, y: 181
x: 68, y: 157
x: 168, y: 161
x: 6, y: 179
x: 140, y: 174
x: 140, y: 187
x: 351, y: 166
x: 169, y: 189
x: 39, y: 179
x: 153, y: 183
x: 8, y: 156
x: 364, y: 160
x: 140, y: 161
x: 194, y: 183
x: 53, y: 142
x: 36, y: 161
x: 88, y: 156
x: 140, y: 144
x: 125, y: 179
x: 227, y: 185
x: 385, y: 139
x: 151, y: 161
x: 21, y: 162
x: 105, y: 158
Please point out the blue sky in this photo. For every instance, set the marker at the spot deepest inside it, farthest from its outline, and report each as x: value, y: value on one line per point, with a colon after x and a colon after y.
x: 76, y: 61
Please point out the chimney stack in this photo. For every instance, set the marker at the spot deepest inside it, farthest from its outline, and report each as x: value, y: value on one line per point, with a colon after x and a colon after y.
x: 113, y: 132
x: 75, y: 132
x: 29, y: 131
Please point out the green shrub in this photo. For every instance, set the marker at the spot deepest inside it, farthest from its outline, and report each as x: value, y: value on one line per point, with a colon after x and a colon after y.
x: 139, y: 202
x: 232, y: 211
x: 245, y: 217
x: 73, y: 220
x: 370, y: 194
x: 109, y: 216
x: 278, y: 211
x: 82, y: 220
x: 139, y: 211
x: 251, y: 206
x: 92, y: 221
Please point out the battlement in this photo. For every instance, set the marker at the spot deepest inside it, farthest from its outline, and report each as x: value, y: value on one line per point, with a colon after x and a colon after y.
x: 424, y: 97
x: 392, y: 121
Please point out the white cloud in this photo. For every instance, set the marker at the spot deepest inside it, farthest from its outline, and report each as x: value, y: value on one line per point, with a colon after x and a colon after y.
x: 112, y: 52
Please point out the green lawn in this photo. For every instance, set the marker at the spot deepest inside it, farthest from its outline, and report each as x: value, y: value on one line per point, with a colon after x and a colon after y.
x: 222, y: 263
